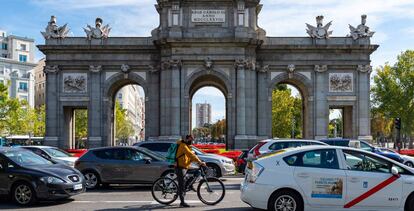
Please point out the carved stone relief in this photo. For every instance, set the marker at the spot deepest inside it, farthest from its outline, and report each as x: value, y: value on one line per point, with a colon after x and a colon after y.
x: 75, y: 82
x: 341, y: 82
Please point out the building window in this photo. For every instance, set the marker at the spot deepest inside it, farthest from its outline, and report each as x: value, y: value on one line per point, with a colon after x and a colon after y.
x: 22, y: 58
x: 4, y: 46
x: 23, y: 47
x: 23, y: 97
x: 23, y: 86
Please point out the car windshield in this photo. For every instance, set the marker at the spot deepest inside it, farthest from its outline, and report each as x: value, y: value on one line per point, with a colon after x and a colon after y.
x: 197, y: 151
x: 54, y: 152
x: 152, y: 154
x: 26, y: 158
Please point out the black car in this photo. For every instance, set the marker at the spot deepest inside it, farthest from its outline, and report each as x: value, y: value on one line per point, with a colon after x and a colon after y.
x: 28, y: 177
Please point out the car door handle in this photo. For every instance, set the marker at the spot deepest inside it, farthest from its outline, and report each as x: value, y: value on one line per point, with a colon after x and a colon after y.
x: 354, y: 179
x: 303, y: 175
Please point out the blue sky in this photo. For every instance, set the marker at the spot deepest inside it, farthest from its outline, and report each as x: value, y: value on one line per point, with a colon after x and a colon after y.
x: 393, y: 20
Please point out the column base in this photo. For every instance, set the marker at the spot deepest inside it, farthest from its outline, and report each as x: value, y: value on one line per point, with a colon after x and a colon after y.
x: 243, y: 142
x: 51, y: 141
x: 320, y: 137
x: 167, y: 138
x: 365, y: 138
x: 94, y: 142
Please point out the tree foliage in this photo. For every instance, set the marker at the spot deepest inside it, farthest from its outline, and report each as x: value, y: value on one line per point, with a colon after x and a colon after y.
x: 17, y: 117
x: 286, y: 113
x: 393, y: 93
x: 124, y: 127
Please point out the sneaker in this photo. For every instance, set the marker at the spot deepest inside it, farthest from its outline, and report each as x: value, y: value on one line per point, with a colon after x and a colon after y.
x: 184, y: 205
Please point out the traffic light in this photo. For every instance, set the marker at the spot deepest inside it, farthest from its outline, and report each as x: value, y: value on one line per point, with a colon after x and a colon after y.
x: 397, y: 123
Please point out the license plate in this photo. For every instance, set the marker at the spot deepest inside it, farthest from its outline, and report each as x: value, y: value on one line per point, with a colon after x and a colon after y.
x: 77, y: 187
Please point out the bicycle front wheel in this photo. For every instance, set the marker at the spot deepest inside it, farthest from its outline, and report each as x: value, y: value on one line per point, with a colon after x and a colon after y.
x: 164, y: 190
x: 211, y: 192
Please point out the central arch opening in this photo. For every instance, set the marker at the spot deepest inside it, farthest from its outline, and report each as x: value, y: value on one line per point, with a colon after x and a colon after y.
x: 208, y: 109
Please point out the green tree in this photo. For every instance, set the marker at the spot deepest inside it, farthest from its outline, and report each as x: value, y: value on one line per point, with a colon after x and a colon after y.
x: 286, y: 113
x: 218, y: 129
x: 124, y: 127
x: 81, y: 128
x: 393, y: 92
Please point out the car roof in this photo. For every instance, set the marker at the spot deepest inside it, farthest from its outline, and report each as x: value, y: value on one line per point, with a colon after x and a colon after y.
x: 37, y: 146
x: 291, y: 140
x: 114, y: 147
x: 10, y: 149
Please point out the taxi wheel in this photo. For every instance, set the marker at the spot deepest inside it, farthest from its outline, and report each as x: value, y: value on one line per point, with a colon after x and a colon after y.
x: 409, y: 164
x: 409, y: 204
x: 285, y: 200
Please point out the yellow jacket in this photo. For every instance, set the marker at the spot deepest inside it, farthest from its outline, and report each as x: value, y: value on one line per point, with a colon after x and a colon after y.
x: 185, y: 156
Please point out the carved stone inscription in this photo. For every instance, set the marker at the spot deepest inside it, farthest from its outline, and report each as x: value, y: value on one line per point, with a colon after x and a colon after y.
x: 208, y: 16
x: 75, y: 82
x: 341, y: 82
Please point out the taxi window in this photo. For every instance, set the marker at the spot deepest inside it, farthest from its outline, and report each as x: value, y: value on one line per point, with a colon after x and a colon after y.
x: 359, y: 161
x: 284, y: 145
x: 315, y: 158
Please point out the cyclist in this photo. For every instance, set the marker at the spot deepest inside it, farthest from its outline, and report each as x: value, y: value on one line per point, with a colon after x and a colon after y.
x: 184, y: 159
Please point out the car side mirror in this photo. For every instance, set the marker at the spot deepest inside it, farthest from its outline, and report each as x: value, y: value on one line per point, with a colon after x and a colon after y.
x: 394, y: 171
x: 147, y: 160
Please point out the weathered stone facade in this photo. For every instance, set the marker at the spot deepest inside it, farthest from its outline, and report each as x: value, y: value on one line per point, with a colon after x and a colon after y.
x: 225, y: 49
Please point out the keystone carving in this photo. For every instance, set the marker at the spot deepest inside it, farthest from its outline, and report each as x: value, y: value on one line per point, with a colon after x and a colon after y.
x: 208, y: 64
x: 51, y: 69
x: 125, y: 68
x: 290, y: 70
x: 95, y: 69
x: 321, y: 68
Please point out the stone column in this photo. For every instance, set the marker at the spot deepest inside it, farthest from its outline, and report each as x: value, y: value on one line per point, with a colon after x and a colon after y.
x: 262, y: 102
x: 321, y: 107
x: 95, y: 108
x: 364, y: 126
x: 175, y: 98
x: 241, y: 98
x: 52, y: 103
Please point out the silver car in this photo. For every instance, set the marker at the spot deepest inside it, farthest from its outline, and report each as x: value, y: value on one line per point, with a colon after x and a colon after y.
x: 53, y: 153
x: 219, y: 165
x: 122, y: 165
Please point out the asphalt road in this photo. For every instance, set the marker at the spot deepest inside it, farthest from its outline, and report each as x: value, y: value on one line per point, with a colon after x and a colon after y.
x: 134, y: 197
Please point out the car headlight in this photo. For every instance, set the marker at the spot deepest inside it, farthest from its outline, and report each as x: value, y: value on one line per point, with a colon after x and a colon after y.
x: 255, y: 172
x: 51, y: 180
x: 226, y: 161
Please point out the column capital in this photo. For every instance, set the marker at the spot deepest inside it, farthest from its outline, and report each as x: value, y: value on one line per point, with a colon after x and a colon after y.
x: 95, y: 69
x: 364, y: 68
x: 321, y: 68
x: 169, y: 64
x: 51, y: 69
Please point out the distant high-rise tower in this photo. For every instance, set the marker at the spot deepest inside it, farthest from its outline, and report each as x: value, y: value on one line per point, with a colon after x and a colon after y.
x: 203, y: 114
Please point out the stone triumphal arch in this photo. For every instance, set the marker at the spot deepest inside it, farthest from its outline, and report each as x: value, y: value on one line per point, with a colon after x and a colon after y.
x: 198, y: 43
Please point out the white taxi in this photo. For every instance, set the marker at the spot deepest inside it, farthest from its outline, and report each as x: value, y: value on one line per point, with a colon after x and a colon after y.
x: 327, y: 178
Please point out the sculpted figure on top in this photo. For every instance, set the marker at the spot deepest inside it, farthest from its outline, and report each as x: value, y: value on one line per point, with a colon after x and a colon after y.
x: 97, y: 32
x: 361, y: 30
x: 320, y: 31
x: 54, y: 31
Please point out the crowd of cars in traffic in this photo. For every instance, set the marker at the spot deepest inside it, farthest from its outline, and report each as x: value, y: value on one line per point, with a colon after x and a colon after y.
x: 316, y: 174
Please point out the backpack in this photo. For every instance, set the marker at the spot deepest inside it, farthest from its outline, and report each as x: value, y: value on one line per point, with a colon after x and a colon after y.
x: 172, y: 153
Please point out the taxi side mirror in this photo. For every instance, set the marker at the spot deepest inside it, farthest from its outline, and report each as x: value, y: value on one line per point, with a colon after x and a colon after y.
x: 394, y: 171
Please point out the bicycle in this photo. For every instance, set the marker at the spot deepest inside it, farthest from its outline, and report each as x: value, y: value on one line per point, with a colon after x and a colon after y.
x: 165, y: 190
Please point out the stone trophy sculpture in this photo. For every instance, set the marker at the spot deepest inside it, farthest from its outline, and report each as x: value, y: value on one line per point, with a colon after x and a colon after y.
x: 320, y: 31
x: 361, y: 30
x: 54, y: 31
x: 97, y: 32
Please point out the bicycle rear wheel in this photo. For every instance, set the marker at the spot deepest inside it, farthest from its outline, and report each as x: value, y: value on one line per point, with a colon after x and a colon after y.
x: 211, y: 192
x: 164, y: 190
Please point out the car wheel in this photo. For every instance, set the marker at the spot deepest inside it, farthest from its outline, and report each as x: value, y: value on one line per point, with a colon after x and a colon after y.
x: 409, y: 164
x: 409, y: 204
x: 285, y: 200
x: 213, y: 171
x: 92, y: 179
x: 23, y: 194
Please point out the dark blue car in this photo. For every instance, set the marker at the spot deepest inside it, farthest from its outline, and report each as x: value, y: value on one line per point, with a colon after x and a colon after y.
x: 364, y: 146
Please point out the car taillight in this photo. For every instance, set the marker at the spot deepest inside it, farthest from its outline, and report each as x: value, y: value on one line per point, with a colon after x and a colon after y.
x: 255, y: 172
x: 241, y: 161
x: 256, y: 151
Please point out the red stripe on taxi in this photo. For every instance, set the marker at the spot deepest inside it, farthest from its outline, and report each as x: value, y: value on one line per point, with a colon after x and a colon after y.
x: 372, y: 191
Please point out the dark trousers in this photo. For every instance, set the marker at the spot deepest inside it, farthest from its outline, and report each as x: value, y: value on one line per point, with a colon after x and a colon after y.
x: 181, y: 183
